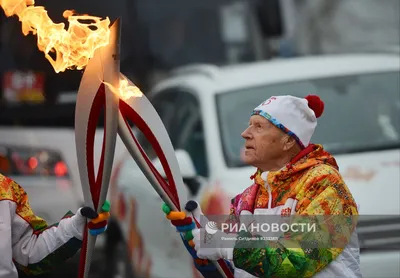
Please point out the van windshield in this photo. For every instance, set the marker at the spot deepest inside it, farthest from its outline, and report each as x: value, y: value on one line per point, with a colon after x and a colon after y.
x: 361, y: 112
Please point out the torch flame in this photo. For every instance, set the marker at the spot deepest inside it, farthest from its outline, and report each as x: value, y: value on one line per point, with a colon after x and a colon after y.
x: 71, y: 48
x: 125, y: 91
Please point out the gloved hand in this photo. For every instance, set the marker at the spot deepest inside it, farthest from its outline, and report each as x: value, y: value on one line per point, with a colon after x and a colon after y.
x: 212, y: 252
x: 98, y: 223
x: 190, y: 235
x: 184, y: 225
x: 207, y: 245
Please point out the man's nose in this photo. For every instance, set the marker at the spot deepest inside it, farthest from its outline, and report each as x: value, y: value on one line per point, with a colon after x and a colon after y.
x: 246, y: 134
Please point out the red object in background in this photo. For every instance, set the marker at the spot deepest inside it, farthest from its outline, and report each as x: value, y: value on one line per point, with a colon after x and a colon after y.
x: 215, y: 201
x: 5, y: 167
x: 60, y: 169
x: 19, y: 87
x: 32, y: 162
x: 121, y: 207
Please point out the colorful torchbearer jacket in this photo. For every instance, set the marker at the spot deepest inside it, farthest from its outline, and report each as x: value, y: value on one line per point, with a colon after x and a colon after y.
x: 26, y: 241
x: 308, y: 188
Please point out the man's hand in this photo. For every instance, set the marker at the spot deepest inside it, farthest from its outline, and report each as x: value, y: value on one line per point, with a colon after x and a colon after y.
x: 211, y: 253
x: 187, y: 226
x: 190, y: 235
x: 182, y: 223
x: 98, y: 223
x: 209, y: 250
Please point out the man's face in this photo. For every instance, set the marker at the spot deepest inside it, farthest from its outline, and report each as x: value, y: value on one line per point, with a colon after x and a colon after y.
x: 263, y: 143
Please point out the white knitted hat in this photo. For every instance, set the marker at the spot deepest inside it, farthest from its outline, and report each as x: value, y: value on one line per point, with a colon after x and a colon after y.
x: 295, y: 116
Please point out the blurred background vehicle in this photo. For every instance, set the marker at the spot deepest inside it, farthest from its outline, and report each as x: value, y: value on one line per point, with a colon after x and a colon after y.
x: 205, y: 65
x: 42, y: 166
x: 43, y: 161
x: 205, y: 108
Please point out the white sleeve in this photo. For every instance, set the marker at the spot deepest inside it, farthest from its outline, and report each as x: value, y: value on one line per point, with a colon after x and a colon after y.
x: 30, y: 246
x: 7, y: 268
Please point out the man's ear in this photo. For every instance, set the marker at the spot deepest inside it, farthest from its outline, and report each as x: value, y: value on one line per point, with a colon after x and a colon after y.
x: 288, y: 142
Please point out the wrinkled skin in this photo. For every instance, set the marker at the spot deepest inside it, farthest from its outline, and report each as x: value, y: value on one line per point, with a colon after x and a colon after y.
x: 266, y: 146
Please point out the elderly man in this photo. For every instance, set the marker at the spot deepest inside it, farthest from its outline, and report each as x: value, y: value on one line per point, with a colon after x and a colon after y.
x: 293, y: 178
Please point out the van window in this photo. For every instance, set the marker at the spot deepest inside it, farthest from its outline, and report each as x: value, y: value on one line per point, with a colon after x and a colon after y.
x: 180, y: 112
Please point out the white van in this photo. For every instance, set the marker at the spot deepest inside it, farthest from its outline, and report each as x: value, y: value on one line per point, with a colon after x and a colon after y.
x: 205, y: 109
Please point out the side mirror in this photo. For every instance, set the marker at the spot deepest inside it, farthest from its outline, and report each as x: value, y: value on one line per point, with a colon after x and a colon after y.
x: 188, y: 171
x: 185, y: 163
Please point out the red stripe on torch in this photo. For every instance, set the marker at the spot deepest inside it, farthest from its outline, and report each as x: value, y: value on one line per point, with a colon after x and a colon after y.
x: 170, y: 187
x: 95, y: 184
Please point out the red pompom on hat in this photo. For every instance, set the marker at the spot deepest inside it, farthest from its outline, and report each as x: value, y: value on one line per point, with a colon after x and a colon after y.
x: 315, y: 104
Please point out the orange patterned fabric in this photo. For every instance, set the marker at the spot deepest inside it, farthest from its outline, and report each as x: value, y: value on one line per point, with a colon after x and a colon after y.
x: 10, y: 190
x: 301, y: 180
x: 313, y: 182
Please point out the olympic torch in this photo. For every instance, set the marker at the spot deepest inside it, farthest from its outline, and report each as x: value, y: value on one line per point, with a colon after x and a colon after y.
x: 93, y: 97
x: 142, y: 113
